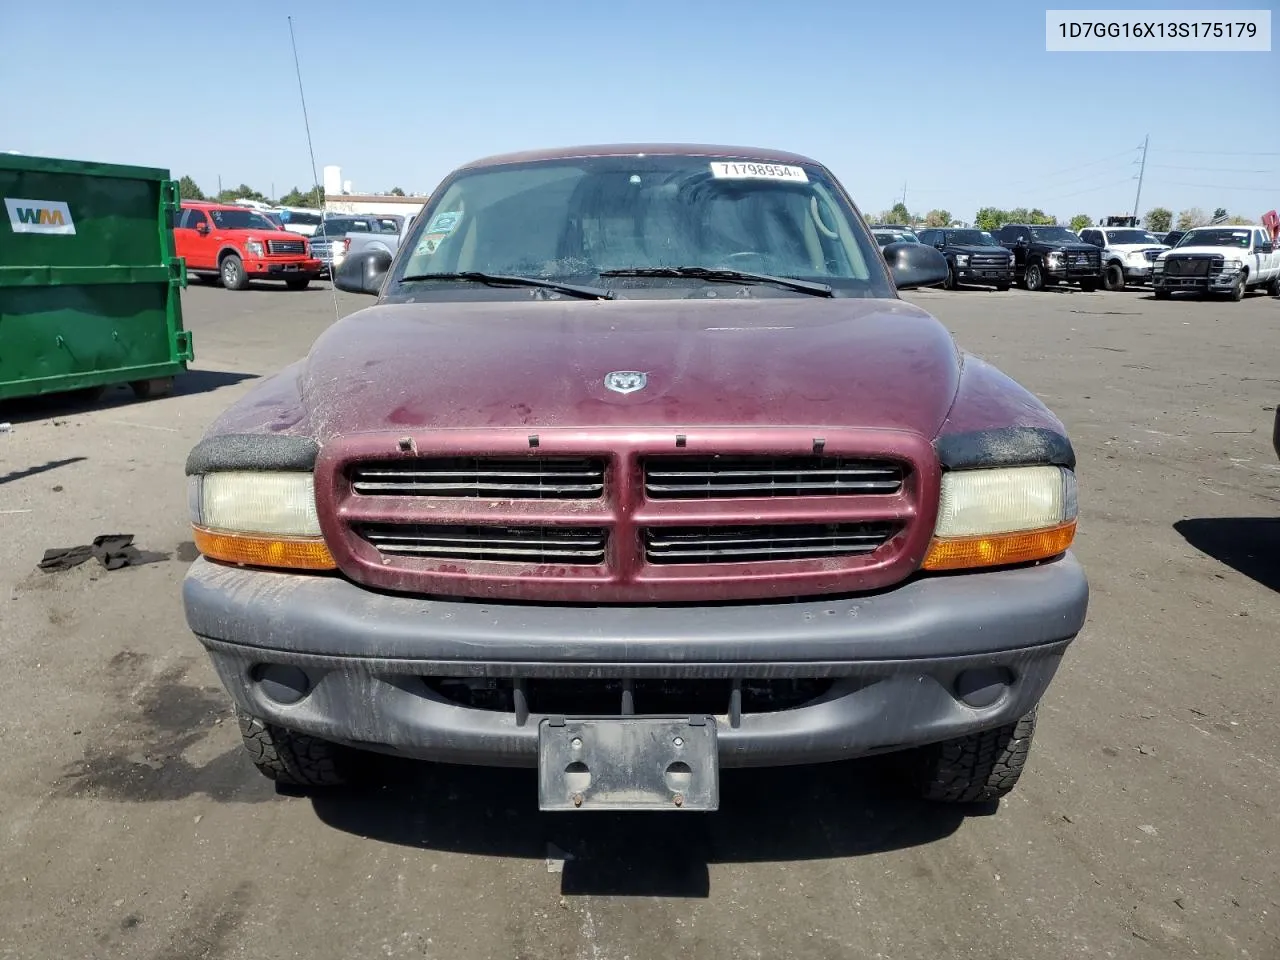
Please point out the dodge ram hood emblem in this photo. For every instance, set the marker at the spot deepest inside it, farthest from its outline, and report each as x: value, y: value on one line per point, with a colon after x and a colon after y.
x: 626, y: 381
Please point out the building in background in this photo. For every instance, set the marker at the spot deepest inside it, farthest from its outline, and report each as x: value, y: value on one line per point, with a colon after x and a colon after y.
x: 340, y: 198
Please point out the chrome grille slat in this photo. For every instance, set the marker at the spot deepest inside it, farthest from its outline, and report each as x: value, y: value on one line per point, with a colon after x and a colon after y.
x: 532, y: 544
x: 737, y: 544
x: 530, y: 478
x: 286, y: 246
x: 675, y: 478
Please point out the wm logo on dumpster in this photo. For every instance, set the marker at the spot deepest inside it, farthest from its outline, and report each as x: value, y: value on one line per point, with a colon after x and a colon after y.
x: 39, y: 216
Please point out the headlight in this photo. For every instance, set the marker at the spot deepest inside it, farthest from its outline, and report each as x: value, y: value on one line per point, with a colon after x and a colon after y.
x: 1230, y: 265
x: 962, y: 260
x: 253, y: 247
x: 1055, y: 259
x: 1138, y: 257
x: 1003, y: 516
x: 258, y: 519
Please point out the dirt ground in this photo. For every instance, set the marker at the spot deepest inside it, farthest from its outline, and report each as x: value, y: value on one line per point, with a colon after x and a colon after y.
x: 132, y: 826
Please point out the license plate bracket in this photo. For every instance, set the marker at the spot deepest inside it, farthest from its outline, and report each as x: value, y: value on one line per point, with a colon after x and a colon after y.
x: 628, y: 763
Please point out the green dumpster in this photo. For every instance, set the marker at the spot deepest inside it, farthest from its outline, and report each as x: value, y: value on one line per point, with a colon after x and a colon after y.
x: 90, y: 288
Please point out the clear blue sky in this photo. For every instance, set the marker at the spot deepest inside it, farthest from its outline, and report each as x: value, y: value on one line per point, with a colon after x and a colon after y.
x: 959, y: 100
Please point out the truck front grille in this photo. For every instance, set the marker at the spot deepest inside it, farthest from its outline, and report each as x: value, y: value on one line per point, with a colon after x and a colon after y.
x: 773, y: 542
x: 622, y: 516
x: 287, y: 246
x: 988, y: 261
x: 510, y: 544
x: 693, y: 478
x: 1187, y: 266
x: 527, y: 478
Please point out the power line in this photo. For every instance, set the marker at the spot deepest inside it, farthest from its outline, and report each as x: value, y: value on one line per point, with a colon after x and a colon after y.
x: 1079, y: 166
x: 1225, y: 153
x: 1167, y: 166
x: 1214, y: 186
x: 1104, y: 186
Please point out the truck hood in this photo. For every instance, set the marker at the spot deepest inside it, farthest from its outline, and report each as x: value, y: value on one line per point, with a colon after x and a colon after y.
x: 1066, y: 247
x: 970, y: 249
x: 542, y: 363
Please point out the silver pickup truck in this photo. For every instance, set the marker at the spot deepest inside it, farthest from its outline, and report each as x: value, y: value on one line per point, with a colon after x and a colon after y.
x: 341, y: 235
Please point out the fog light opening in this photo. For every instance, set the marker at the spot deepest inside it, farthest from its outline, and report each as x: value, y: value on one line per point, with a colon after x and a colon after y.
x: 281, y: 683
x: 983, y: 687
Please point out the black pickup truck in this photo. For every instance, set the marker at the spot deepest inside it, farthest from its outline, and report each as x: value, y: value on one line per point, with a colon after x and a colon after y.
x: 972, y: 258
x: 1049, y: 255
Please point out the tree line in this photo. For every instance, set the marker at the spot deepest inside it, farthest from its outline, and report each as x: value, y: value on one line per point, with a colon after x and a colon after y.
x: 1157, y: 219
x: 188, y: 189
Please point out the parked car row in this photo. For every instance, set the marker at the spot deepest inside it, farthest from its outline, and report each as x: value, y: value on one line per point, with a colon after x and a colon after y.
x: 1227, y: 260
x: 235, y: 243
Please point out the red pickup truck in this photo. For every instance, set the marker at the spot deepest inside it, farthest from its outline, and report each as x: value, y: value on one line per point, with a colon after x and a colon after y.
x: 637, y: 466
x: 236, y: 245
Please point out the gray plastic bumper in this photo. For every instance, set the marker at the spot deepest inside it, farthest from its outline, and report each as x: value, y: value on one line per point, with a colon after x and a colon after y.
x: 898, y: 661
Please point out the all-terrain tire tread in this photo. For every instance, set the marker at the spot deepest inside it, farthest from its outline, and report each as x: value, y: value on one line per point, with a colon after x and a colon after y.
x: 981, y: 767
x: 289, y: 757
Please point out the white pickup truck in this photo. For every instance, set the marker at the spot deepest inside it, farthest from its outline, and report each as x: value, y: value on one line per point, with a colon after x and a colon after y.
x: 1222, y: 259
x: 1128, y: 254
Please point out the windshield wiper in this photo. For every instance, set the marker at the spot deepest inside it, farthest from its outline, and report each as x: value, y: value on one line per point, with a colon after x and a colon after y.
x: 731, y: 276
x: 502, y: 280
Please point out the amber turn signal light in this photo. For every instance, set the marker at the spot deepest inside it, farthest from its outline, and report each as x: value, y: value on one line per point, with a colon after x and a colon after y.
x: 289, y: 553
x: 997, y: 550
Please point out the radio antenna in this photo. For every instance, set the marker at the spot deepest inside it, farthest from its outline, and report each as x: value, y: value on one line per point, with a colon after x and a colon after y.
x: 318, y: 191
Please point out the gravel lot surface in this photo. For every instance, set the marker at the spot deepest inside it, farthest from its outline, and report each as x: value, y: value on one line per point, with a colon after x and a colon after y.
x: 132, y: 826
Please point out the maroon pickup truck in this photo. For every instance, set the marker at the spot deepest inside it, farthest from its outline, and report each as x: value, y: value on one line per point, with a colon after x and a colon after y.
x: 638, y: 468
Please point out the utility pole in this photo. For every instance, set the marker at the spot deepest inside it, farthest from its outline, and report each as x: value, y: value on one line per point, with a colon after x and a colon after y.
x: 1141, y: 170
x: 219, y: 186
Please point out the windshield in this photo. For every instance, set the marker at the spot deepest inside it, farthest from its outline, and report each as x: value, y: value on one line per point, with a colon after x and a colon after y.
x: 341, y: 226
x: 1216, y: 238
x: 1131, y: 236
x: 573, y: 219
x: 1054, y: 235
x: 973, y: 238
x: 240, y: 220
x: 305, y: 219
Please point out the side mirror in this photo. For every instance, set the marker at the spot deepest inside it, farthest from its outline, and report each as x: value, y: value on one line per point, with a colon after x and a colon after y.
x: 915, y: 265
x: 363, y: 273
x: 202, y: 227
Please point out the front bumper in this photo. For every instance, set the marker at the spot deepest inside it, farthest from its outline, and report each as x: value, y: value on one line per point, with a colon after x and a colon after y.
x: 984, y: 274
x: 1071, y: 274
x: 895, y: 665
x: 280, y: 269
x: 1214, y: 283
x: 1137, y: 274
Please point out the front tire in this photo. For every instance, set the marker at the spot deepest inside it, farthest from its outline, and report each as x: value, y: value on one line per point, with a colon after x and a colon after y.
x: 231, y: 270
x: 292, y: 758
x: 1088, y: 286
x: 1113, y: 277
x: 1273, y: 287
x: 1034, y: 278
x: 981, y: 767
x: 1238, y: 291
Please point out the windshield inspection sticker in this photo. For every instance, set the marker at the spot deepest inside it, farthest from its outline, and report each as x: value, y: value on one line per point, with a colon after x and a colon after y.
x: 39, y: 216
x: 430, y: 242
x: 445, y: 222
x: 722, y: 170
